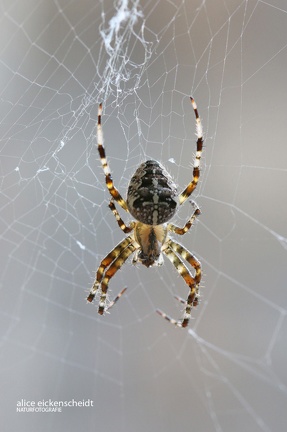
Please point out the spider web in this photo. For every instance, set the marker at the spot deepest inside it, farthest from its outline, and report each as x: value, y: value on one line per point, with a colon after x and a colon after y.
x: 143, y: 60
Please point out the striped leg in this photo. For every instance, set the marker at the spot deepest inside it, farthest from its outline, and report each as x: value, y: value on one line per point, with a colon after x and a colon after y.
x: 171, y: 251
x: 188, y: 224
x: 109, y: 181
x: 116, y: 299
x: 110, y: 272
x: 106, y: 263
x: 122, y: 225
x: 196, y: 166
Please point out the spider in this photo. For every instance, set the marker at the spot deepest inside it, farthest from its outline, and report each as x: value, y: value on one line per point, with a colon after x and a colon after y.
x: 152, y: 200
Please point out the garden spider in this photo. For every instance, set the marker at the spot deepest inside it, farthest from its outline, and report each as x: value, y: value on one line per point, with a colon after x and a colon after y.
x: 152, y: 200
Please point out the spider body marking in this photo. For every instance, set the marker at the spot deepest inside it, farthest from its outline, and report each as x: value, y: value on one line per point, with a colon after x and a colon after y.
x: 152, y: 195
x: 150, y: 239
x: 152, y: 200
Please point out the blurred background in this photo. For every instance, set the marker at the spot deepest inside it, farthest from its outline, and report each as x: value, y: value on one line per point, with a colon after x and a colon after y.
x: 143, y: 60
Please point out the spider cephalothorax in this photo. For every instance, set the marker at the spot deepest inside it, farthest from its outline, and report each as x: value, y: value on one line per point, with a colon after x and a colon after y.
x: 152, y: 200
x: 150, y: 239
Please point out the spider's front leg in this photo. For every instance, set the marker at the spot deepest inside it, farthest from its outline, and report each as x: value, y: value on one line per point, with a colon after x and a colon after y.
x: 107, y: 269
x: 109, y: 273
x: 174, y: 251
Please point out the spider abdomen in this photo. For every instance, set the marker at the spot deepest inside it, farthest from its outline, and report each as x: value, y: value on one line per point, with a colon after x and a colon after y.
x: 151, y: 197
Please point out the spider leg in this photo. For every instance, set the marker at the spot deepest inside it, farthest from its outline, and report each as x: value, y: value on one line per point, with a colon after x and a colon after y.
x: 122, y: 225
x: 174, y: 251
x: 196, y: 170
x: 106, y: 263
x: 180, y: 299
x: 168, y: 318
x: 109, y: 181
x: 116, y: 299
x: 188, y: 224
x: 110, y: 272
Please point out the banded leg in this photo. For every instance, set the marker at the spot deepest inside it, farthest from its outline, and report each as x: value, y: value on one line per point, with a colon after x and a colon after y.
x: 116, y: 299
x: 122, y: 225
x: 196, y: 166
x: 171, y: 252
x: 193, y: 261
x: 106, y: 263
x: 188, y: 224
x: 109, y: 181
x: 110, y: 272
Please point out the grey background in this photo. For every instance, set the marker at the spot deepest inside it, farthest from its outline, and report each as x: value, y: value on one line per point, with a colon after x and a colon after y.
x: 228, y: 371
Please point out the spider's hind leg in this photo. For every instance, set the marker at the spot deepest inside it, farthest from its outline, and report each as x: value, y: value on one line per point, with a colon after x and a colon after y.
x: 109, y: 181
x: 189, y: 223
x: 126, y: 229
x: 196, y: 165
